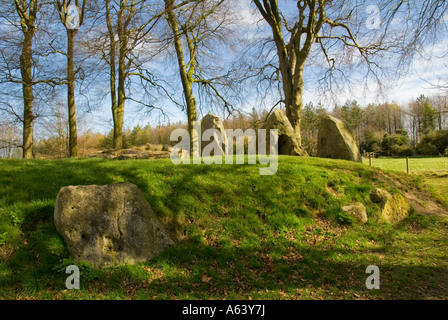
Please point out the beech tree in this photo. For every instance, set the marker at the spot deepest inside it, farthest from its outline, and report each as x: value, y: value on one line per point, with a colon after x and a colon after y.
x: 129, y: 24
x: 194, y: 27
x: 343, y: 39
x: 72, y: 24
x: 27, y: 12
x: 24, y: 63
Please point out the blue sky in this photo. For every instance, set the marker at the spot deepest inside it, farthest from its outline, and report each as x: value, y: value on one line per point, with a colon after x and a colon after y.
x: 422, y: 72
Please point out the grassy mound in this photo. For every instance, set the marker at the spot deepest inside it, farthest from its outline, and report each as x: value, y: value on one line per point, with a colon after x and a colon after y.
x: 241, y: 235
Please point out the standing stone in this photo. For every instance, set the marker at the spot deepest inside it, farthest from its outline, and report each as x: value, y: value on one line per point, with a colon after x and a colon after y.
x: 335, y: 141
x: 211, y: 121
x: 288, y: 144
x: 109, y: 225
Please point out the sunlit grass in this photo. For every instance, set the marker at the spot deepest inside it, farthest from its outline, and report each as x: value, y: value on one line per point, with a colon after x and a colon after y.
x: 242, y: 235
x: 433, y: 170
x: 416, y: 165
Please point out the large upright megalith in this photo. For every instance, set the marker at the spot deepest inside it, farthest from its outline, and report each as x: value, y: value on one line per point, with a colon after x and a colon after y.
x: 219, y: 138
x: 335, y: 141
x: 109, y: 225
x: 288, y: 144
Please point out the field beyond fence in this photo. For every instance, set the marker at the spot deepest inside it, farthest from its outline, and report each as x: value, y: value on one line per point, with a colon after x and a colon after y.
x: 434, y: 171
x: 416, y: 165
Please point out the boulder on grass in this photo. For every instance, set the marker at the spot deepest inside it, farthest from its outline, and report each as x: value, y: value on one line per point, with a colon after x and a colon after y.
x: 210, y: 121
x: 335, y: 141
x: 288, y: 144
x: 394, y: 208
x: 358, y: 212
x: 109, y: 225
x: 379, y: 196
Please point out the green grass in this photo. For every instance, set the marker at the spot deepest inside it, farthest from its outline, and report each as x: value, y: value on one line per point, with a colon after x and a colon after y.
x: 242, y: 235
x: 434, y: 172
x: 416, y: 165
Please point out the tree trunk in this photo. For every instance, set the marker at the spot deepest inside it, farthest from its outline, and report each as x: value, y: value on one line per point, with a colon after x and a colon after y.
x: 293, y: 55
x: 119, y: 112
x: 186, y: 76
x: 113, y: 91
x: 117, y: 137
x: 295, y: 106
x: 28, y: 96
x: 119, y: 116
x: 293, y: 91
x: 73, y: 134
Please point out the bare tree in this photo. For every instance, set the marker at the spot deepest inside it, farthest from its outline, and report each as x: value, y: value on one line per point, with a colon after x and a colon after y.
x: 186, y: 75
x: 337, y: 29
x: 441, y: 106
x: 24, y: 62
x: 129, y: 24
x: 194, y: 27
x: 54, y: 131
x: 72, y: 24
x: 9, y: 141
x: 27, y: 12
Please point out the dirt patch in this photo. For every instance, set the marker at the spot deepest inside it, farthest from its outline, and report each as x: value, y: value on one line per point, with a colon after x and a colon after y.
x: 421, y: 200
x: 423, y: 203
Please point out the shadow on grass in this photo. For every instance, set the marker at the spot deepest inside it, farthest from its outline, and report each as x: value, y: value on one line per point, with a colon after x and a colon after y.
x: 236, y: 273
x: 193, y: 269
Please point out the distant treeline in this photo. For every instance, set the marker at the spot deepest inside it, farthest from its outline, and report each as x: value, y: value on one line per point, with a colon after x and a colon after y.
x: 387, y: 129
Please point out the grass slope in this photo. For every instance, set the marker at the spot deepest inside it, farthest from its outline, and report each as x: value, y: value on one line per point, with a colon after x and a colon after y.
x: 434, y: 172
x: 241, y: 235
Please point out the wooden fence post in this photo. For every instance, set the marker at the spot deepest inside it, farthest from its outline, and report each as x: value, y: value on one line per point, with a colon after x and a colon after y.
x: 407, y: 164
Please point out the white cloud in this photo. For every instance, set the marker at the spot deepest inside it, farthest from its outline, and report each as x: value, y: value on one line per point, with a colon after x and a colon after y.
x: 248, y: 15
